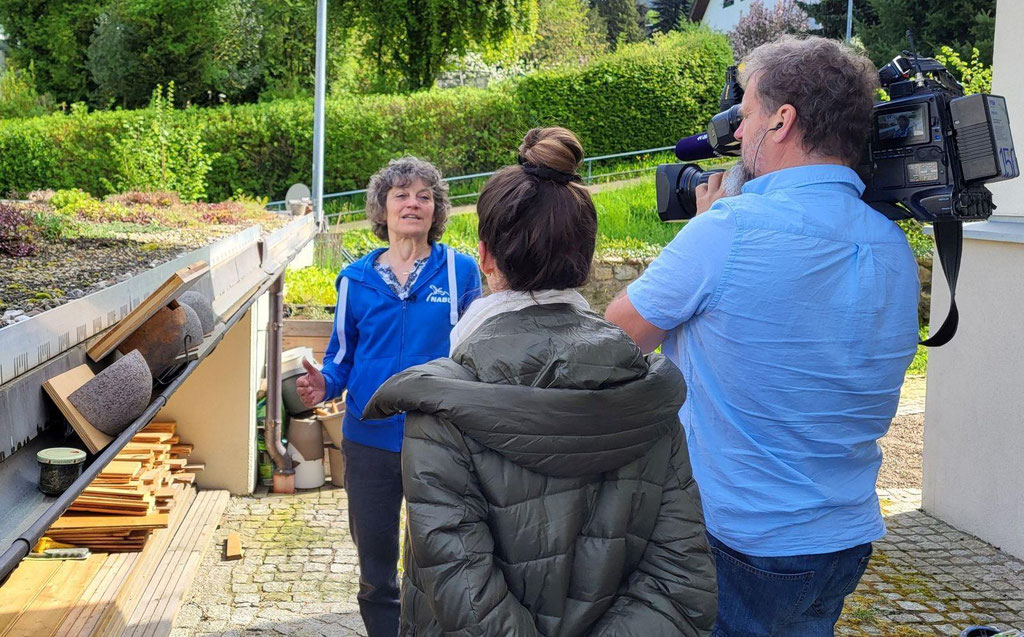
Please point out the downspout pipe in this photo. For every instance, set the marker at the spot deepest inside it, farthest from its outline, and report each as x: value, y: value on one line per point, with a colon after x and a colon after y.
x: 272, y: 428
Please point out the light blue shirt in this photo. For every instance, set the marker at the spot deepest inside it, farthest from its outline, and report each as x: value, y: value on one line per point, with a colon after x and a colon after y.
x: 792, y: 312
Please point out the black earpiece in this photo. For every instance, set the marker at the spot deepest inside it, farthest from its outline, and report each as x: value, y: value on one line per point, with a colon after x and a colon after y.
x: 777, y: 126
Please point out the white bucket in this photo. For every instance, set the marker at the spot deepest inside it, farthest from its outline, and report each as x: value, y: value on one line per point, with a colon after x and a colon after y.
x: 309, y: 474
x: 291, y: 359
x: 305, y: 438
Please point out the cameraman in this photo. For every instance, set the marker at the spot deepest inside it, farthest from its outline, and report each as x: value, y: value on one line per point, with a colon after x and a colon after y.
x: 792, y: 311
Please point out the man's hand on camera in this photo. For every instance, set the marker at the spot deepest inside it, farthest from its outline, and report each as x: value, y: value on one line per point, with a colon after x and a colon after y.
x: 710, y: 192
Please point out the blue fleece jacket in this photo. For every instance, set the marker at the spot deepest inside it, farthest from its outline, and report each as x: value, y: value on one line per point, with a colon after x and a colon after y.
x: 377, y: 335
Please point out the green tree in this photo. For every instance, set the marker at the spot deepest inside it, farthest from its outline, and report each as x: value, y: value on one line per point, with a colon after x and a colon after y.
x: 208, y: 48
x: 959, y: 24
x: 973, y: 73
x: 156, y: 152
x: 18, y: 95
x: 830, y: 16
x: 565, y: 35
x: 53, y: 36
x: 416, y: 37
x: 623, y: 18
x: 671, y: 13
x: 287, y: 50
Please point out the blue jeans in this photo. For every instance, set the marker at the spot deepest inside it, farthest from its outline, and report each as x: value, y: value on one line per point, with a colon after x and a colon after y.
x: 373, y: 483
x: 793, y: 596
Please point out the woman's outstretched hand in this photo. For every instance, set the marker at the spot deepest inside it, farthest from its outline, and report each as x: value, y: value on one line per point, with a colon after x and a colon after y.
x: 312, y: 386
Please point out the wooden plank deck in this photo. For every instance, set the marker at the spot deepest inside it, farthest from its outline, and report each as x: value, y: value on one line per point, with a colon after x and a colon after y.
x: 115, y: 594
x: 163, y: 595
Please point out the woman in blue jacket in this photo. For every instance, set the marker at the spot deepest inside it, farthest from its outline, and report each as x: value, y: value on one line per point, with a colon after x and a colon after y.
x: 396, y: 308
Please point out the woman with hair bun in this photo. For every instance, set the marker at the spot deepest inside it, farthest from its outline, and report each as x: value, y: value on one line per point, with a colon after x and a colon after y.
x: 546, y: 475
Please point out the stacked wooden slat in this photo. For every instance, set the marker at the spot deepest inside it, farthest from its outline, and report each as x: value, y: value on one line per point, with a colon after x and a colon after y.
x: 107, y: 532
x: 122, y: 594
x: 132, y: 495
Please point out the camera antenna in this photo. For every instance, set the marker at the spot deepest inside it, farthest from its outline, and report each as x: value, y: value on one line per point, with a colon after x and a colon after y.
x: 919, y: 78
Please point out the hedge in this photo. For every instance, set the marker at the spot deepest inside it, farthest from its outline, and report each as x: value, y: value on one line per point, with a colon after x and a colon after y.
x: 643, y: 96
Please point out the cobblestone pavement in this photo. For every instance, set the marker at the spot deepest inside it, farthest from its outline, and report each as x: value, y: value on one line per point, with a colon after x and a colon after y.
x: 299, y: 576
x: 927, y: 578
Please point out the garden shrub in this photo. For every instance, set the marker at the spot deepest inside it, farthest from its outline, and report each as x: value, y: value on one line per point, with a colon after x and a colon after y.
x: 644, y: 95
x: 16, y: 232
x: 18, y: 95
x: 159, y: 152
x: 310, y: 286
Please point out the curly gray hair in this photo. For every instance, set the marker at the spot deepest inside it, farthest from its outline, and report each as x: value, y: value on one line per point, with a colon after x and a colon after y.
x: 399, y: 173
x: 831, y: 86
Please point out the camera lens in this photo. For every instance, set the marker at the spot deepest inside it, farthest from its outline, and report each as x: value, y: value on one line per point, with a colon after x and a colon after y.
x: 676, y: 186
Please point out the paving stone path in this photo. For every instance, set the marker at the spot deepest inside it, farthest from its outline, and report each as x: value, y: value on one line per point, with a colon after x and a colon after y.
x: 927, y: 578
x: 299, y: 575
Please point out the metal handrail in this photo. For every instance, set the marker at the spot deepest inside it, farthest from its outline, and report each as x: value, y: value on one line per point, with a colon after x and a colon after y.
x: 590, y: 176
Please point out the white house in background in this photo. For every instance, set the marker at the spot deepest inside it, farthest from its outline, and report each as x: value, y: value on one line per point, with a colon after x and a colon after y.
x: 722, y: 15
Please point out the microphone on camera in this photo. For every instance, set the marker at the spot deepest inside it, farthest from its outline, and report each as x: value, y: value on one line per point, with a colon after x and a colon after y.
x: 694, y: 148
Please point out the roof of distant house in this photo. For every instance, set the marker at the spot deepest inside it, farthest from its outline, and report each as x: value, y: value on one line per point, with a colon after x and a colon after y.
x: 698, y: 9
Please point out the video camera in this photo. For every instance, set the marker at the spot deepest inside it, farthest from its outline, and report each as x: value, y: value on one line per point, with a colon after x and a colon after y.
x: 933, y: 149
x: 930, y: 153
x: 676, y: 184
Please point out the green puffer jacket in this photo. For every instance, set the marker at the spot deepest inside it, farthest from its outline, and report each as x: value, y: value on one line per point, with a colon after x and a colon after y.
x: 548, y: 486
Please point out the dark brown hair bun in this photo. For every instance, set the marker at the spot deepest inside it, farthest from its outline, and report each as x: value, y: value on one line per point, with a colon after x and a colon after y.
x: 536, y: 218
x: 555, y: 148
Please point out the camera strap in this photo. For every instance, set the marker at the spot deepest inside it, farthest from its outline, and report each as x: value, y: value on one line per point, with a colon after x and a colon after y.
x: 949, y: 242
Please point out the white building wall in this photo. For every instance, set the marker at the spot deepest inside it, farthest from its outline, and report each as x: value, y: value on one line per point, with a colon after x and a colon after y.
x: 974, y: 417
x: 723, y: 18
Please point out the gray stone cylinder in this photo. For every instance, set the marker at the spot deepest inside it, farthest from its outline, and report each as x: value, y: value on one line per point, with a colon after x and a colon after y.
x: 204, y: 309
x: 115, y: 397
